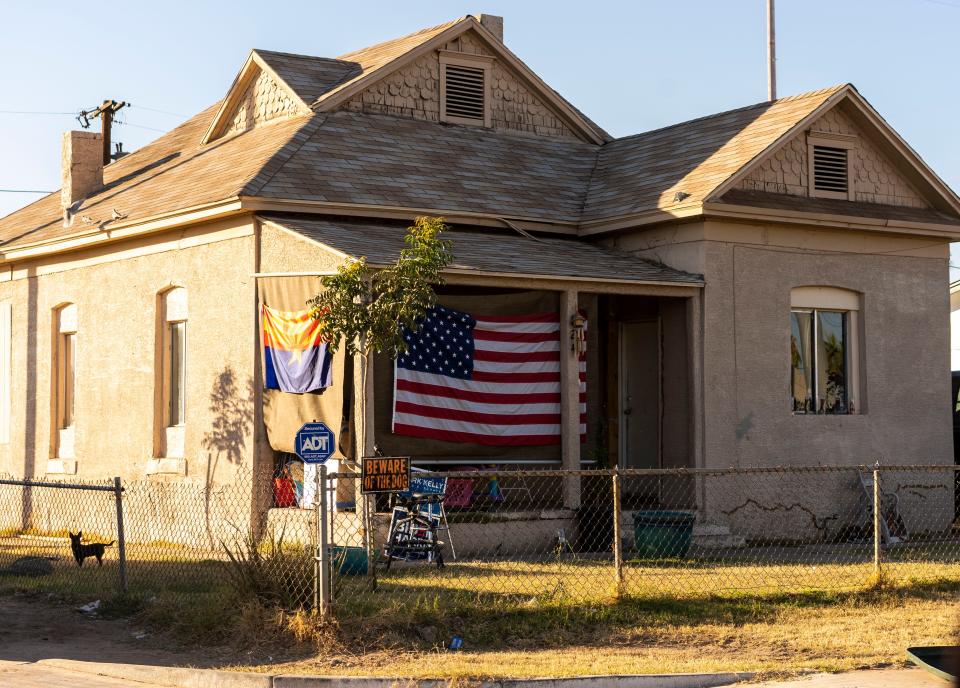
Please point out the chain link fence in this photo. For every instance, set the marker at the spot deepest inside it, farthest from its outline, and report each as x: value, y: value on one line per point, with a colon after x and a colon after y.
x: 484, y: 537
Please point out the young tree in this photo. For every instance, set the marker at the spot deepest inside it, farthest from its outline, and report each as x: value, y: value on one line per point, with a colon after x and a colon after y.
x: 368, y: 308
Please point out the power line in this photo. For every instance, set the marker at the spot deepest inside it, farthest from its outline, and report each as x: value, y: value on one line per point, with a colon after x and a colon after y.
x: 31, y: 112
x: 24, y: 191
x: 162, y: 112
x: 140, y: 126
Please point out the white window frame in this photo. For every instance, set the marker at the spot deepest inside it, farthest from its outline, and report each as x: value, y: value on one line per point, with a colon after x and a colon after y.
x: 466, y: 60
x: 175, y: 312
x: 848, y: 142
x: 848, y: 302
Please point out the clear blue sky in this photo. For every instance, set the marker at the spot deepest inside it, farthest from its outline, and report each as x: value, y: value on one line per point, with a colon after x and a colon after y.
x: 632, y: 66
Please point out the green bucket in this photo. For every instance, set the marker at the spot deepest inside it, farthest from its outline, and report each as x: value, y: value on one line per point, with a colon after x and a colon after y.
x: 349, y: 561
x: 662, y: 534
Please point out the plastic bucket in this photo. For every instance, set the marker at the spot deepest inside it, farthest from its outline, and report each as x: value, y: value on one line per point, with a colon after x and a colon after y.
x: 661, y: 534
x: 349, y: 561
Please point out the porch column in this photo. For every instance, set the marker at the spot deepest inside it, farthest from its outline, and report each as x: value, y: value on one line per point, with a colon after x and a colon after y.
x: 569, y: 401
x: 363, y: 404
x: 362, y: 415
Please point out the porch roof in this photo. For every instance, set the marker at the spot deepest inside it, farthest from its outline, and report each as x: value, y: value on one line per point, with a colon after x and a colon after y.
x: 488, y: 252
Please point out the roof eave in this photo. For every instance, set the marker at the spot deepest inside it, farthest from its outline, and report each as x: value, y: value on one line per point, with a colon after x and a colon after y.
x: 688, y: 285
x: 535, y: 224
x: 91, y: 237
x: 729, y: 211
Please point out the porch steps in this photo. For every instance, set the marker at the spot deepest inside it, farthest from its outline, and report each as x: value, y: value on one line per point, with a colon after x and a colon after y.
x: 713, y: 536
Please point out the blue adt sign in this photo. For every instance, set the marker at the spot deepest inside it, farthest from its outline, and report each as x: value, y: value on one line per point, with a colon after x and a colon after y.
x: 315, y: 443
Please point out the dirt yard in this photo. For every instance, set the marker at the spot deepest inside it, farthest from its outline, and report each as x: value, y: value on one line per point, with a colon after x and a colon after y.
x: 32, y: 629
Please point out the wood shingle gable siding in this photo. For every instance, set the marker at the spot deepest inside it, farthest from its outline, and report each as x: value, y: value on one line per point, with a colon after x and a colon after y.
x: 874, y: 177
x: 263, y: 100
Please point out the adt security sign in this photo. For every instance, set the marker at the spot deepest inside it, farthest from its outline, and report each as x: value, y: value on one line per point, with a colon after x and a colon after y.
x: 315, y: 443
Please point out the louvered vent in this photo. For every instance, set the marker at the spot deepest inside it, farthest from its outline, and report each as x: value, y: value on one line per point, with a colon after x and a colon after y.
x: 830, y: 169
x: 464, y: 92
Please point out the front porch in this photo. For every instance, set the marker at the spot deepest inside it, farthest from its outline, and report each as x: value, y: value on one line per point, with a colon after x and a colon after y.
x: 627, y: 369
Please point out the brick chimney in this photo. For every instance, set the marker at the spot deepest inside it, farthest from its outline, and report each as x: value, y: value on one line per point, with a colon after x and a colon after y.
x: 81, y: 169
x: 493, y: 24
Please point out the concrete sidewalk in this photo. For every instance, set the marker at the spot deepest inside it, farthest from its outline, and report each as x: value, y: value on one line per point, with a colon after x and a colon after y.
x: 56, y: 672
x: 180, y: 677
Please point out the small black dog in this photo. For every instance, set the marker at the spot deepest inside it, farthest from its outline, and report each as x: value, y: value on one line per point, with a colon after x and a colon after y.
x: 94, y: 549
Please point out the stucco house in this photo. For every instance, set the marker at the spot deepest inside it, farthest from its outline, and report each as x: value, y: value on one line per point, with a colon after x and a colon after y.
x: 763, y: 286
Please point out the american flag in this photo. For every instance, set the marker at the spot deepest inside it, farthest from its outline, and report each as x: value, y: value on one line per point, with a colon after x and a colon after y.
x: 492, y: 380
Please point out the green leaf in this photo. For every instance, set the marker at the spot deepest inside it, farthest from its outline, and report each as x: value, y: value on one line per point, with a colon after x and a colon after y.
x: 367, y: 309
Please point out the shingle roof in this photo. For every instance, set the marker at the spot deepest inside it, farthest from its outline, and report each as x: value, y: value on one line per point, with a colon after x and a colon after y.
x: 351, y: 158
x: 381, y: 160
x: 172, y: 173
x: 644, y: 172
x: 309, y: 77
x: 375, y: 56
x: 487, y: 251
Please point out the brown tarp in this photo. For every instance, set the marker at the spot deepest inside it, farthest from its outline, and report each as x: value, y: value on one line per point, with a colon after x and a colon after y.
x: 516, y: 303
x: 284, y: 413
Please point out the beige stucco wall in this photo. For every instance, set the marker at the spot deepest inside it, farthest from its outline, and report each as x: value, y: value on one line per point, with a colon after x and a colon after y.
x: 749, y: 271
x: 116, y: 292
x: 904, y: 416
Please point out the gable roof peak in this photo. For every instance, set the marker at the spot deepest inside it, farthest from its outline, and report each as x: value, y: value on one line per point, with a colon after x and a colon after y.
x: 766, y: 104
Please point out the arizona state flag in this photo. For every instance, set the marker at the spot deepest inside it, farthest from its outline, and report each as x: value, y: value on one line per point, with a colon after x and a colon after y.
x: 296, y: 356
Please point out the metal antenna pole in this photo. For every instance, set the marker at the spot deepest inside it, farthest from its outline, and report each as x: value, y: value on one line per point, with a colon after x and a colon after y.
x: 771, y: 53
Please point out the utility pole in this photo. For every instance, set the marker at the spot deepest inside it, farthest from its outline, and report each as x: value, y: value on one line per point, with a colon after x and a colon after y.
x: 105, y: 112
x: 771, y: 53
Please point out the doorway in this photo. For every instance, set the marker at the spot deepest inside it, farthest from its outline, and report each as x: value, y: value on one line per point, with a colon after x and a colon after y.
x: 639, y: 403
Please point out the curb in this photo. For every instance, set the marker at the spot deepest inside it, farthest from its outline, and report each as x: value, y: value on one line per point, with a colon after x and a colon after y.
x: 175, y: 677
x: 179, y: 677
x: 634, y: 681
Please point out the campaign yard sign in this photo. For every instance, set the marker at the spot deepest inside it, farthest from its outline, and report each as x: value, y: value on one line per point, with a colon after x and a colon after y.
x: 385, y: 474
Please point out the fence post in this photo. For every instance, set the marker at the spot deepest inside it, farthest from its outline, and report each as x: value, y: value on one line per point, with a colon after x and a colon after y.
x: 121, y: 537
x: 877, y: 554
x: 322, y: 580
x: 617, y: 540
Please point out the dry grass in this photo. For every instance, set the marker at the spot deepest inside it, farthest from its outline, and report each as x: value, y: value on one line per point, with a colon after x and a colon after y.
x: 772, y: 635
x: 556, y: 618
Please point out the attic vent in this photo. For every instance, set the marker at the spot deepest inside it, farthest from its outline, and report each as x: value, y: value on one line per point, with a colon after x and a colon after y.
x: 830, y: 169
x: 464, y: 92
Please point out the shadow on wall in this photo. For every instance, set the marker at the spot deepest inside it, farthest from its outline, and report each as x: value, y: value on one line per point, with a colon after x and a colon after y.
x: 231, y: 407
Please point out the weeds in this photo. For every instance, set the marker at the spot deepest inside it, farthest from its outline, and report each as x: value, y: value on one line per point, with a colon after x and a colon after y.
x: 265, y: 570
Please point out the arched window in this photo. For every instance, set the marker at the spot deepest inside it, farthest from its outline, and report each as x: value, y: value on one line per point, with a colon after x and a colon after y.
x: 65, y: 380
x: 173, y: 372
x: 824, y: 351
